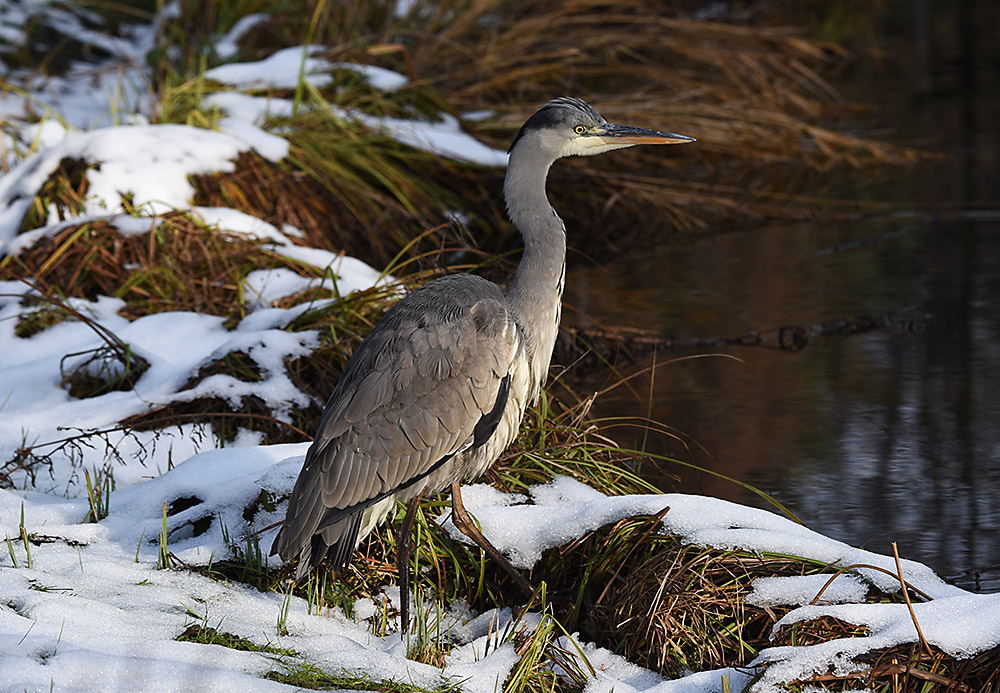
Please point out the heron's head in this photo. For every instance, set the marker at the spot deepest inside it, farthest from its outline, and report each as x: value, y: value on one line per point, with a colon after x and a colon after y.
x: 567, y: 126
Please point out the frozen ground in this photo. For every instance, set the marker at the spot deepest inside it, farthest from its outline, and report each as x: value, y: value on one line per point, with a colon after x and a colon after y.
x: 92, y: 612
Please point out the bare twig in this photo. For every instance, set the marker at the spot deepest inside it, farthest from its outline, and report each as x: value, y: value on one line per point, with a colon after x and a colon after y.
x: 906, y: 596
x: 869, y: 567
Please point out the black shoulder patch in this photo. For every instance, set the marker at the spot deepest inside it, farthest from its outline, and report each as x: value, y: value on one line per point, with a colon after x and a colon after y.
x: 488, y: 424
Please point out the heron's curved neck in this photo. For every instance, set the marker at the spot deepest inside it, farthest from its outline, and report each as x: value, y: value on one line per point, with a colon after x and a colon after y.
x: 535, y: 294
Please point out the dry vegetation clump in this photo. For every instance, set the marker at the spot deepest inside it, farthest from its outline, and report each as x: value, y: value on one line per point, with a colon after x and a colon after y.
x: 903, y: 668
x: 666, y: 604
x: 676, y: 607
x: 226, y: 420
x: 755, y: 96
x: 558, y: 439
x: 64, y: 193
x: 41, y: 317
x: 179, y: 264
x: 112, y: 367
x: 910, y: 668
x: 348, y: 189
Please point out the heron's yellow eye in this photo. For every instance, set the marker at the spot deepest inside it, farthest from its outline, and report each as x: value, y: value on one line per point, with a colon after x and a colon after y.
x: 579, y: 129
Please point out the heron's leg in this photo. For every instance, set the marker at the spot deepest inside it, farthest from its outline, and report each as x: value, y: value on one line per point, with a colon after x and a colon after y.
x: 404, y: 546
x: 467, y: 526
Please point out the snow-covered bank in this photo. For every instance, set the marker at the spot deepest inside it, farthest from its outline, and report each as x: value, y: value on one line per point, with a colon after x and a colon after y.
x: 90, y: 610
x: 94, y: 612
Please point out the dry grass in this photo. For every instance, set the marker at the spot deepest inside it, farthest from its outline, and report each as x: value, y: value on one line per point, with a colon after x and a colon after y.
x: 665, y: 604
x: 675, y: 607
x: 749, y: 93
x: 178, y: 265
x: 754, y: 96
x: 339, y: 204
x: 900, y: 669
x: 63, y: 192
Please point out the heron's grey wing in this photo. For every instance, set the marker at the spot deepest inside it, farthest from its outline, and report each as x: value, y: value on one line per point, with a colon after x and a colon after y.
x: 411, y: 397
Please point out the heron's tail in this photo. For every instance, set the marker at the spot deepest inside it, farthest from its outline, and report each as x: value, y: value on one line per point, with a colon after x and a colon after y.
x: 334, y: 544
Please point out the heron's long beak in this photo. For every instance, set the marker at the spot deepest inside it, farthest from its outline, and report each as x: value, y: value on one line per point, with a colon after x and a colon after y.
x: 626, y: 134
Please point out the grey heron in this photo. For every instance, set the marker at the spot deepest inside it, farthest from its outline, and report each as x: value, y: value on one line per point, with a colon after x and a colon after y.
x: 437, y: 390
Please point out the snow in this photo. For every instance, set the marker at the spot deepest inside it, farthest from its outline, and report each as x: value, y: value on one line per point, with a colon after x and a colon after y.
x: 961, y: 625
x: 228, y: 45
x: 280, y: 70
x: 344, y: 274
x: 283, y: 71
x: 89, y: 95
x: 284, y: 68
x: 122, y: 158
x: 378, y: 77
x: 38, y: 409
x: 802, y: 589
x: 445, y: 138
x: 564, y: 508
x: 93, y: 612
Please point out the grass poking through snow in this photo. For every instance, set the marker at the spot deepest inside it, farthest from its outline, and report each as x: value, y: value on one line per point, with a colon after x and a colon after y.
x: 312, y: 677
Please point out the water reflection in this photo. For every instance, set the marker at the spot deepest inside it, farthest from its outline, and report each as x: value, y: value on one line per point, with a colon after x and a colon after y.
x: 891, y: 435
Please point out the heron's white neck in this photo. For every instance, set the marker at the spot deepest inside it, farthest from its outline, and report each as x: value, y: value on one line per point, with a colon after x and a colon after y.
x: 535, y: 294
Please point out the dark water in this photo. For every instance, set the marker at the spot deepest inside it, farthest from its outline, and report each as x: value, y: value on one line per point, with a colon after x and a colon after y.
x: 888, y: 435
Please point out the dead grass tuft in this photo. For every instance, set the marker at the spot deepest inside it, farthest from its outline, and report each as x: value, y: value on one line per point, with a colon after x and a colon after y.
x: 908, y: 668
x: 819, y: 630
x: 674, y: 607
x: 664, y: 604
x: 108, y: 368
x: 236, y: 364
x: 178, y: 265
x: 63, y: 193
x: 42, y: 318
x: 351, y: 190
x: 226, y: 419
x: 754, y: 96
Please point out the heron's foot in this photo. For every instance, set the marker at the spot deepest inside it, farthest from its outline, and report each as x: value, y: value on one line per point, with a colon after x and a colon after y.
x: 463, y: 521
